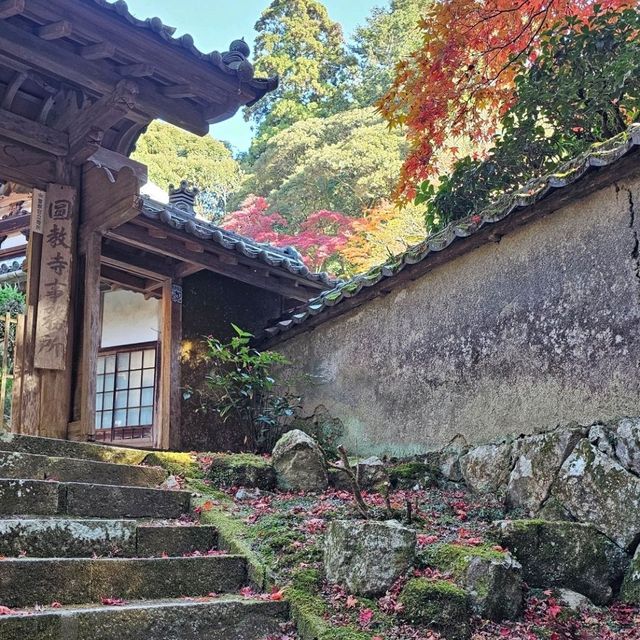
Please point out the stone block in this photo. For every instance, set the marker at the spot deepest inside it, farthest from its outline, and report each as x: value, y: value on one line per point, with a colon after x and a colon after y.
x: 565, y: 554
x: 26, y: 582
x: 175, y: 541
x: 105, y: 501
x: 66, y: 538
x: 367, y: 557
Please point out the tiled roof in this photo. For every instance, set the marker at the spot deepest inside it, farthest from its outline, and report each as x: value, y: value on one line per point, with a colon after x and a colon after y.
x: 287, y: 259
x: 13, y: 266
x: 185, y: 42
x: 599, y: 155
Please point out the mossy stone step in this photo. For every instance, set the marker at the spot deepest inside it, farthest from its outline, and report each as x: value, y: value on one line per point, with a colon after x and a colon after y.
x: 68, y: 449
x: 43, y: 497
x: 27, y: 582
x: 39, y: 467
x: 223, y: 619
x: 59, y: 537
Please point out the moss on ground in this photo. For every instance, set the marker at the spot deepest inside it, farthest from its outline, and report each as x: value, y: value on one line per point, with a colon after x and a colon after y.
x: 176, y: 463
x: 308, y: 609
x: 233, y: 535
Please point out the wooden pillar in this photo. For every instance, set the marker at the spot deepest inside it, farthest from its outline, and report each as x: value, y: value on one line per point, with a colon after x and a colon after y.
x: 56, y: 373
x: 83, y: 428
x: 168, y: 433
x: 25, y: 407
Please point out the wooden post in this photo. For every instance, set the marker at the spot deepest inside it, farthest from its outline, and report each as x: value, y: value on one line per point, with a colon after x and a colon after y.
x: 25, y: 416
x: 91, y: 334
x: 168, y: 432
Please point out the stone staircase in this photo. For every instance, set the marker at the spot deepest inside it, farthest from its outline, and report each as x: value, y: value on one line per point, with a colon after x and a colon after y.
x: 94, y: 550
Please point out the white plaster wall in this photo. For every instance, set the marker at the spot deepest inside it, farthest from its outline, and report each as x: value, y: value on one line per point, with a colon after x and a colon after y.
x: 15, y: 240
x: 127, y: 318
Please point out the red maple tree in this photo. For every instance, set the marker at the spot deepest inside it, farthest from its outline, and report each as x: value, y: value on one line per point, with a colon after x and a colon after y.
x: 460, y: 82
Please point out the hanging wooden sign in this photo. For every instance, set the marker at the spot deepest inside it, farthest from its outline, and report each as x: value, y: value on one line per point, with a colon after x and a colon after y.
x: 55, y: 278
x: 39, y: 198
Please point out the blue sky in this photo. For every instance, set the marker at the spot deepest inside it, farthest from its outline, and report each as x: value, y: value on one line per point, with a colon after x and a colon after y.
x: 215, y: 23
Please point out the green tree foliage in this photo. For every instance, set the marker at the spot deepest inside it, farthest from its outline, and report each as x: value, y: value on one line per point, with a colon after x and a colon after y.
x: 347, y: 162
x: 173, y: 155
x: 388, y: 36
x: 298, y: 41
x: 583, y: 88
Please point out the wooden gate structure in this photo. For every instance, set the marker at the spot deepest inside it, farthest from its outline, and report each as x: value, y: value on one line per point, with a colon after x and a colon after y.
x: 79, y: 82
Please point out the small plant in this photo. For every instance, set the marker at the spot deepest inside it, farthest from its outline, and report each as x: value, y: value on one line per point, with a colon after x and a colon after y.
x: 241, y: 387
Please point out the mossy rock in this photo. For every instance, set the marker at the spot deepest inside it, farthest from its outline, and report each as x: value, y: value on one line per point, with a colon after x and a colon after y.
x: 455, y: 559
x: 630, y: 591
x: 438, y: 604
x: 492, y: 578
x: 572, y: 555
x: 242, y: 470
x: 407, y: 475
x: 176, y: 463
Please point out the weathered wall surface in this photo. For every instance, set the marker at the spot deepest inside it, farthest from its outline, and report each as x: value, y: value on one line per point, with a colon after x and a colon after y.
x: 210, y: 304
x: 538, y: 330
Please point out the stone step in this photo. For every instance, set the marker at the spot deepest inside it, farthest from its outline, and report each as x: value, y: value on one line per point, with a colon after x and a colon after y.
x: 222, y: 619
x: 42, y: 497
x: 82, y: 538
x: 39, y: 467
x: 26, y: 582
x: 174, y: 541
x: 67, y: 449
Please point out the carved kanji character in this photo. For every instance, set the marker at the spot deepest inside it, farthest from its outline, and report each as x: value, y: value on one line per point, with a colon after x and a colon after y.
x: 57, y: 237
x: 58, y: 264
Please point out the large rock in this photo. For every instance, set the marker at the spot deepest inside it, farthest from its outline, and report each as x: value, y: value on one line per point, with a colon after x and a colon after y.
x: 565, y: 554
x: 446, y: 461
x: 367, y: 557
x: 627, y: 444
x: 630, y: 591
x: 371, y: 473
x: 537, y: 461
x: 299, y: 463
x: 596, y: 489
x: 438, y: 604
x: 492, y: 578
x: 486, y: 468
x: 241, y: 470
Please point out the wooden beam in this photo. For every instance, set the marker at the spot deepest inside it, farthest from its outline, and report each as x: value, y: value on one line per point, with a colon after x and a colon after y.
x: 186, y: 269
x: 24, y: 165
x: 85, y: 133
x: 33, y: 134
x: 138, y: 70
x: 137, y: 236
x: 108, y: 203
x: 173, y: 61
x: 91, y: 335
x: 124, y: 279
x: 98, y: 51
x: 30, y: 51
x: 116, y: 161
x: 179, y: 91
x: 11, y: 224
x: 10, y: 8
x: 55, y: 30
x: 142, y: 264
x: 168, y: 432
x: 12, y: 89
